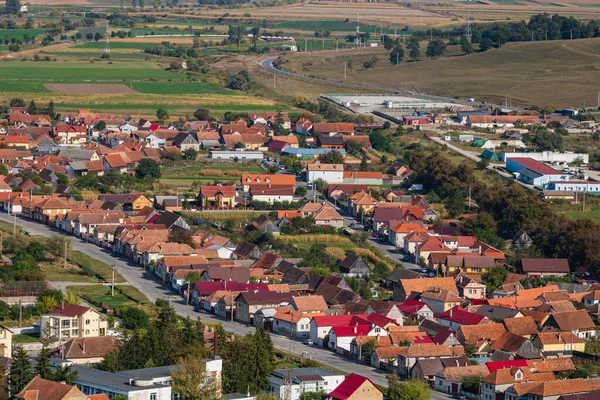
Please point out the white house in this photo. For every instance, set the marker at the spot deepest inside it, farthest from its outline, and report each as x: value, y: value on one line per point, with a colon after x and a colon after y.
x: 340, y: 337
x: 330, y: 173
x: 290, y: 322
x: 291, y: 384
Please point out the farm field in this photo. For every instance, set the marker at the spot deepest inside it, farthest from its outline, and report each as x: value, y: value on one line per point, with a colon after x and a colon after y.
x: 157, y: 88
x: 523, y: 73
x: 7, y: 34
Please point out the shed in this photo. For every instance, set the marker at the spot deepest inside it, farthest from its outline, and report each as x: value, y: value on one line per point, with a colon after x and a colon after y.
x: 490, y: 155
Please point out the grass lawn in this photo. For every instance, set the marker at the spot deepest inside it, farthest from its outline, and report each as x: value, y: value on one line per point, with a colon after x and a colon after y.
x: 94, y: 267
x: 25, y: 338
x: 125, y: 295
x: 81, y: 71
x: 590, y: 213
x: 19, y: 33
x: 54, y: 271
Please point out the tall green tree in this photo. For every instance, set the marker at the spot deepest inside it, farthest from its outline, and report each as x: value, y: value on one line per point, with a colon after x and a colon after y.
x: 162, y: 115
x: 192, y: 382
x: 13, y: 7
x: 20, y: 371
x: 66, y: 374
x: 42, y: 364
x: 32, y: 109
x: 415, y: 48
x: 148, y: 169
x: 407, y: 390
x: 397, y: 55
x: 465, y: 45
x: 436, y: 48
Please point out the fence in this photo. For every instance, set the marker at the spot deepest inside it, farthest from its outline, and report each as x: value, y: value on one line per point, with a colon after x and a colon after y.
x: 22, y: 288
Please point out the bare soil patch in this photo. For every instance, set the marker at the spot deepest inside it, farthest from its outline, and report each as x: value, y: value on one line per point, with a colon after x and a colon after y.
x: 85, y: 88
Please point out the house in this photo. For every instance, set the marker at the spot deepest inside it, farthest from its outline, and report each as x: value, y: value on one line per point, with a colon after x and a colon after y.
x: 458, y: 316
x: 151, y: 252
x: 480, y: 336
x: 361, y: 203
x: 551, y: 390
x: 70, y: 134
x: 293, y: 383
x: 558, y: 344
x: 304, y: 126
x: 426, y: 369
x: 354, y: 265
x: 5, y: 342
x: 470, y: 287
x: 383, y: 215
x: 86, y: 350
x: 577, y: 322
x: 115, y: 163
x: 247, y: 303
x: 309, y: 304
x: 68, y: 321
x: 217, y: 196
x: 450, y: 379
x: 409, y: 355
x: 356, y: 387
x: 521, y: 240
x: 510, y: 346
x: 226, y: 274
x: 247, y: 180
x: 247, y: 250
x: 171, y: 221
x: 185, y: 140
x: 272, y: 193
x: 323, y: 214
x: 320, y: 326
x: 332, y: 129
x: 40, y: 388
x: 330, y: 142
x: 543, y: 267
x: 340, y: 337
x: 291, y: 323
x: 79, y: 154
x: 591, y: 298
x: 406, y: 287
x: 330, y: 173
x: 440, y: 300
x: 523, y: 326
x: 415, y: 309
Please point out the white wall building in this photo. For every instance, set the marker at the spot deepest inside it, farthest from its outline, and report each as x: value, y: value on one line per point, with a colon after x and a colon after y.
x: 576, y: 186
x: 291, y: 384
x: 549, y: 156
x: 330, y: 173
x: 240, y: 155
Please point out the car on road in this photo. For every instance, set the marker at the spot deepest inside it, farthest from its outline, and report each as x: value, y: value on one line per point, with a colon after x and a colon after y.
x: 458, y: 396
x: 308, y: 342
x: 431, y: 274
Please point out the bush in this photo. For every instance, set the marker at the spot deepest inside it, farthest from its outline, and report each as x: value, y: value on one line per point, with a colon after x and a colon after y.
x: 133, y: 318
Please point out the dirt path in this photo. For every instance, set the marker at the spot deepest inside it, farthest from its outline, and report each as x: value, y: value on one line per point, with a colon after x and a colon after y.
x: 27, y: 53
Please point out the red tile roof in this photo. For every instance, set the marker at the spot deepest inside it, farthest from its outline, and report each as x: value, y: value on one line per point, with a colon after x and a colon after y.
x: 460, y: 315
x: 536, y: 166
x: 349, y: 386
x: 69, y: 310
x: 342, y: 320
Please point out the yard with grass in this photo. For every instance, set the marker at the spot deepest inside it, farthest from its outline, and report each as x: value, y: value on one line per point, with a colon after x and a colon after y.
x: 93, y: 267
x: 100, y: 295
x: 8, y: 34
x: 25, y: 338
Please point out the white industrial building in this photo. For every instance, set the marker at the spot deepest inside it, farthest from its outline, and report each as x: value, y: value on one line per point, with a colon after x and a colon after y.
x: 576, y: 186
x: 549, y: 157
x: 534, y: 172
x: 330, y: 173
x: 240, y: 155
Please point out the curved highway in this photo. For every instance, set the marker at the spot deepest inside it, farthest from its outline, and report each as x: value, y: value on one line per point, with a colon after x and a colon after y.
x: 267, y: 64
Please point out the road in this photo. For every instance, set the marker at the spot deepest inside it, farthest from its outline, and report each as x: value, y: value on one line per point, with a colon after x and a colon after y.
x: 146, y: 283
x: 267, y: 65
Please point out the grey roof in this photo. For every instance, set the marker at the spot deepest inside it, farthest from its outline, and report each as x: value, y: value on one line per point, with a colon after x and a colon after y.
x: 349, y: 261
x: 78, y: 166
x: 150, y: 373
x: 296, y: 372
x: 77, y: 154
x: 118, y: 382
x: 429, y: 367
x: 401, y: 273
x: 167, y: 219
x: 530, y: 174
x: 496, y: 312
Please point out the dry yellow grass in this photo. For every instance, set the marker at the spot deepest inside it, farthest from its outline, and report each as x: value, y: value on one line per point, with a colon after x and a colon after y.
x: 316, y: 238
x: 141, y: 99
x: 335, y: 252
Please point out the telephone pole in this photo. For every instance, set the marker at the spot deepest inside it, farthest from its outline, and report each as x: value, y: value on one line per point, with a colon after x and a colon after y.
x: 14, y: 224
x: 357, y: 38
x: 112, y: 286
x: 468, y: 32
x: 65, y: 260
x: 107, y: 46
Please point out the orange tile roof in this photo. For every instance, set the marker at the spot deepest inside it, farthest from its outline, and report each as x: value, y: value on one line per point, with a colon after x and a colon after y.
x: 273, y: 179
x: 310, y: 303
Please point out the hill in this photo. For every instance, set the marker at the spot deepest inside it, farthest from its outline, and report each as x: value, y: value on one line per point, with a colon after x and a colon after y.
x: 558, y: 74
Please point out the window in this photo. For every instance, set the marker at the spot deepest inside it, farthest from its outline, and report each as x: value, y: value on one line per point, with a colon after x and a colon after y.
x: 87, y: 321
x: 75, y: 332
x: 153, y: 396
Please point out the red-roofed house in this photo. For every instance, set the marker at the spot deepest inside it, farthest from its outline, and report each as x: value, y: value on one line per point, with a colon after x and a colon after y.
x: 217, y: 196
x: 68, y: 321
x: 70, y: 134
x: 321, y: 326
x: 458, y: 316
x: 534, y: 172
x: 356, y: 387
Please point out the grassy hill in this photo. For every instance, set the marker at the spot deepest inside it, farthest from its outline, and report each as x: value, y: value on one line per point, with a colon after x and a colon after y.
x: 554, y: 73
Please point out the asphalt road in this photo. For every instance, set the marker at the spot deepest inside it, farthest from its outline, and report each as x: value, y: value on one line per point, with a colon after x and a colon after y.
x: 267, y: 65
x: 145, y: 282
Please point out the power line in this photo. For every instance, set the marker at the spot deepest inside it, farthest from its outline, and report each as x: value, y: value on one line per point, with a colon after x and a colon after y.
x: 468, y: 32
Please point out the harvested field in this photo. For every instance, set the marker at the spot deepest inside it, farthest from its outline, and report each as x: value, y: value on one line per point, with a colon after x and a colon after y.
x: 158, y: 40
x: 86, y: 88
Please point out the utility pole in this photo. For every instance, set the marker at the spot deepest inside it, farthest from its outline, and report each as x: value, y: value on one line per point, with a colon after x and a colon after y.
x: 14, y: 224
x: 323, y: 43
x: 469, y: 198
x: 65, y: 260
x: 360, y: 349
x: 599, y: 100
x: 345, y: 64
x: 112, y: 287
x: 231, y: 306
x: 274, y: 81
x: 337, y: 45
x: 1, y: 237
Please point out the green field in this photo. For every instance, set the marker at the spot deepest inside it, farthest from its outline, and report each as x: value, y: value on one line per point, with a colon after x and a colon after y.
x: 7, y: 34
x: 93, y: 267
x: 83, y: 71
x: 24, y: 339
x: 329, y: 25
x: 114, y: 45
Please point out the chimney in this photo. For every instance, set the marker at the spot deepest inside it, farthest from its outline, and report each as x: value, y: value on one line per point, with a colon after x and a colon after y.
x: 450, y: 313
x: 63, y: 305
x: 457, y: 363
x: 355, y: 329
x: 559, y: 337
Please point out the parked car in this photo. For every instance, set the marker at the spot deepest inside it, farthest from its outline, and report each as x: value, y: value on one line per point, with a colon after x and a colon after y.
x: 308, y: 342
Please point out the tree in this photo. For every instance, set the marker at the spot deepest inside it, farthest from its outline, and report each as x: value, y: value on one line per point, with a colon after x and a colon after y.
x: 397, y: 55
x: 471, y: 384
x: 436, y: 48
x: 20, y: 371
x: 97, y: 36
x: 192, y: 382
x: 485, y: 44
x: 89, y: 36
x: 134, y: 318
x: 415, y: 48
x: 300, y: 191
x: 47, y: 300
x: 202, y: 114
x: 333, y: 157
x: 482, y: 164
x: 32, y: 109
x: 66, y: 374
x: 162, y: 115
x: 42, y: 364
x: 494, y: 278
x: 321, y: 395
x: 465, y: 45
x: 408, y: 390
x: 62, y: 179
x: 190, y: 154
x: 100, y: 126
x: 182, y: 236
x: 240, y: 81
x: 13, y: 7
x: 545, y: 139
x: 17, y: 102
x: 236, y: 33
x: 148, y: 169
